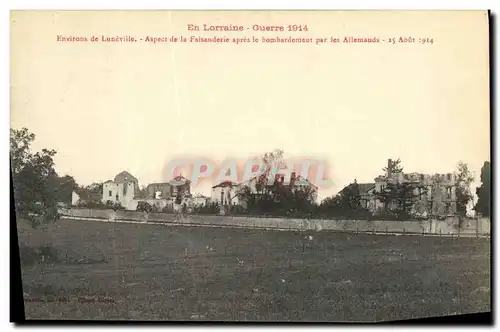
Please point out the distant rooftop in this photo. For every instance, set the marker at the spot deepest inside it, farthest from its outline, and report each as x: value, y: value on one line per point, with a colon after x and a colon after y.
x: 226, y: 184
x: 125, y: 176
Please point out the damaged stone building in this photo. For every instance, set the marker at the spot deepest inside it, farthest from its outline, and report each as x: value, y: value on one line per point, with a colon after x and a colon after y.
x: 434, y: 195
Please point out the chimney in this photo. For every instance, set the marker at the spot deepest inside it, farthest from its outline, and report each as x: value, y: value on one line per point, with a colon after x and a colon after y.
x: 389, y: 167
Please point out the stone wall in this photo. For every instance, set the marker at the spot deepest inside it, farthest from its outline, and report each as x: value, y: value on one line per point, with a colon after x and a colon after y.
x: 445, y: 227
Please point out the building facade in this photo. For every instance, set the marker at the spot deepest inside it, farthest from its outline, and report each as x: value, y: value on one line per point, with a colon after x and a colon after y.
x: 122, y: 189
x: 225, y: 193
x: 159, y: 190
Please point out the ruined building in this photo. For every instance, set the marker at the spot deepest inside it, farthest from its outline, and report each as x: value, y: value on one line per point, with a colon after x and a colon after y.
x: 433, y: 195
x: 121, y: 190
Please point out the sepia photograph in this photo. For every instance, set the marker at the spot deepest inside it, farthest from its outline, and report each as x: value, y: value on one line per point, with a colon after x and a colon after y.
x: 320, y: 166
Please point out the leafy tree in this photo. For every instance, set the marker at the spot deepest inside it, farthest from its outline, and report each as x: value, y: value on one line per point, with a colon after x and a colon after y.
x: 290, y: 200
x: 349, y: 197
x: 407, y: 194
x: 400, y: 198
x: 387, y: 195
x: 275, y: 197
x: 145, y: 207
x: 66, y: 186
x: 330, y: 203
x: 483, y: 192
x: 20, y: 154
x: 36, y: 184
x: 346, y: 204
x: 95, y: 188
x: 463, y: 178
x: 212, y: 208
x: 248, y: 197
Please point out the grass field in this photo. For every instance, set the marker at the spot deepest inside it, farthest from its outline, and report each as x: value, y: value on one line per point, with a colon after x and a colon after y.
x: 148, y: 272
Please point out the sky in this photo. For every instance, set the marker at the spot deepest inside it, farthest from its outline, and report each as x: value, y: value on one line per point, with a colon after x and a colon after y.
x: 108, y: 107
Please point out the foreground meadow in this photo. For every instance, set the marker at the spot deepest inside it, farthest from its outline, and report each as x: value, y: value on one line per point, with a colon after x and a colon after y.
x: 95, y: 270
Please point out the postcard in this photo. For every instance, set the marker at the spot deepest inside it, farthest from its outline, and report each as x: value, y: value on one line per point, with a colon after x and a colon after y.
x: 251, y: 166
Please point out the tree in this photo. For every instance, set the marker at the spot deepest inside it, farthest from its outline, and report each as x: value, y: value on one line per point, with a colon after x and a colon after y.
x: 35, y: 180
x: 387, y: 195
x: 349, y: 197
x: 400, y: 198
x: 483, y: 192
x: 346, y: 204
x: 20, y: 154
x: 393, y: 166
x: 272, y: 195
x: 66, y: 186
x: 463, y: 178
x: 95, y: 188
x: 144, y: 206
x: 408, y: 193
x: 330, y: 202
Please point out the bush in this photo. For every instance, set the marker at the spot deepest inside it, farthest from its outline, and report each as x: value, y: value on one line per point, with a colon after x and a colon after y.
x: 212, y: 208
x: 167, y: 209
x: 93, y: 205
x: 145, y: 207
x: 42, y: 215
x: 237, y: 209
x: 114, y: 206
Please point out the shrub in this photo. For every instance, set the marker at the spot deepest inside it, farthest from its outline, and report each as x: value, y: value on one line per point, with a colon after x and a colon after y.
x: 212, y: 208
x: 94, y: 205
x: 114, y: 206
x: 145, y: 207
x: 167, y: 209
x: 237, y: 209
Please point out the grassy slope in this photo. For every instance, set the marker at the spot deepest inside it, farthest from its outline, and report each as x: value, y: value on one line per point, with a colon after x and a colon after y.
x: 334, y: 277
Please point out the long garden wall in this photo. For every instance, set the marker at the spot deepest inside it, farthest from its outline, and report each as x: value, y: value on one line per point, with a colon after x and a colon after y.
x: 445, y: 227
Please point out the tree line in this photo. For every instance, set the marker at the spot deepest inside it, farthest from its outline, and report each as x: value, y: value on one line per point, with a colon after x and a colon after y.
x: 397, y: 197
x: 38, y: 189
